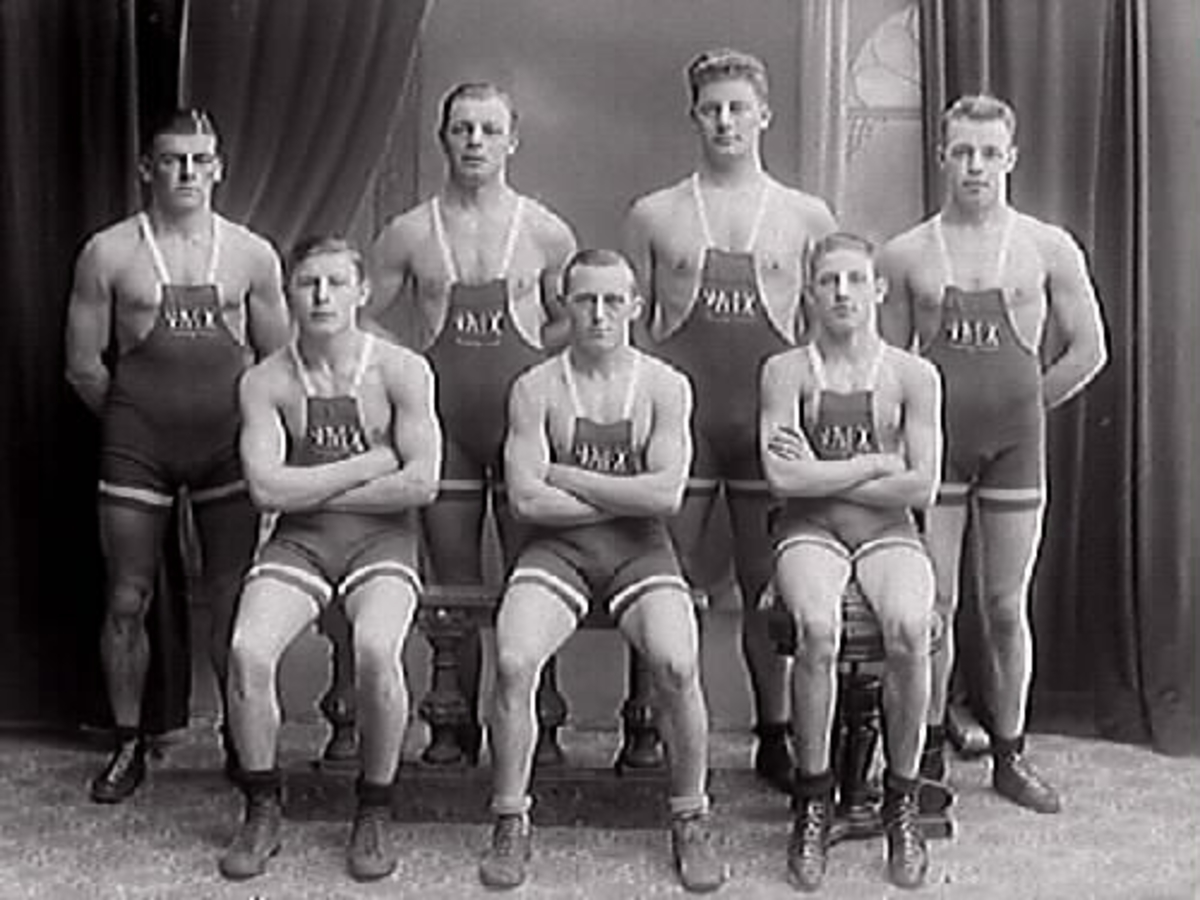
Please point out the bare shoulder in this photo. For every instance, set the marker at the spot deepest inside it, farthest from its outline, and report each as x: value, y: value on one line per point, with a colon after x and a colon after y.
x: 787, y: 369
x: 813, y: 213
x: 544, y: 222
x: 659, y: 207
x: 662, y: 377
x: 1054, y: 243
x: 243, y: 244
x: 401, y: 364
x: 906, y: 250
x: 914, y: 372
x: 106, y: 249
x: 538, y: 380
x: 401, y: 232
x: 269, y: 377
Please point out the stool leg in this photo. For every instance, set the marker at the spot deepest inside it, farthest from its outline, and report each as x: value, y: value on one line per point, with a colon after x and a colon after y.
x: 444, y: 707
x: 551, y: 715
x: 641, y: 747
x: 858, y: 726
x: 338, y: 703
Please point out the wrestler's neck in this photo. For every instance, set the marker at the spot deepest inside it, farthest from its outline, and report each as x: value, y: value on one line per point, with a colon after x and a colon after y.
x: 605, y: 364
x: 976, y: 216
x: 849, y: 348
x: 477, y: 195
x: 330, y: 354
x: 732, y: 173
x: 193, y: 225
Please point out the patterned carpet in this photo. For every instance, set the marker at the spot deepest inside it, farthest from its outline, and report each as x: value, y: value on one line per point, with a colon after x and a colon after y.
x: 1131, y: 829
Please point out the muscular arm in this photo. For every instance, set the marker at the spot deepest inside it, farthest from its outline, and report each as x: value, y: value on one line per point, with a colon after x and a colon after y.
x: 276, y: 486
x: 1076, y: 312
x: 792, y: 468
x: 917, y: 484
x: 89, y: 313
x: 639, y: 250
x: 266, y: 311
x: 560, y: 247
x: 527, y: 459
x: 659, y: 490
x: 417, y: 440
x: 392, y: 286
x: 895, y: 314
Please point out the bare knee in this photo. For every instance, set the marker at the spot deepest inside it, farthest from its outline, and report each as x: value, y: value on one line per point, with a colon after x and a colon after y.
x: 128, y: 602
x: 376, y: 656
x: 252, y: 664
x: 674, y: 673
x: 1005, y: 615
x: 517, y: 668
x: 906, y: 634
x: 816, y: 638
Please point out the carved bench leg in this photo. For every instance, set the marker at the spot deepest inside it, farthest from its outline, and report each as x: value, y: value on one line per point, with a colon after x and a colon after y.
x: 338, y: 702
x: 444, y: 708
x: 641, y: 747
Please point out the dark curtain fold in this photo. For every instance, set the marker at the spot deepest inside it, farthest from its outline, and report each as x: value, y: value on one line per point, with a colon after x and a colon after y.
x: 304, y: 95
x: 68, y: 141
x: 1114, y: 162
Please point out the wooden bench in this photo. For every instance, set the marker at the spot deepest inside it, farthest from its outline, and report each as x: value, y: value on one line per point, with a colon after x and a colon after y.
x: 858, y: 721
x: 447, y: 615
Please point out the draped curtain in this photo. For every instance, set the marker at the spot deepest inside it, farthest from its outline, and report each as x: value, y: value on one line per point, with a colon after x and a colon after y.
x: 1112, y: 160
x: 304, y: 94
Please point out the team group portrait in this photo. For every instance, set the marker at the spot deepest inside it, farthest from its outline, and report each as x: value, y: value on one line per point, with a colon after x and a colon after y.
x: 592, y: 449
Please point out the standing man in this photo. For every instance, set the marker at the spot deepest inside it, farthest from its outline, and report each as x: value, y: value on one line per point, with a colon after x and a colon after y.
x: 597, y: 454
x: 471, y: 278
x: 972, y: 289
x: 177, y: 299
x: 851, y: 442
x: 340, y: 439
x: 721, y: 257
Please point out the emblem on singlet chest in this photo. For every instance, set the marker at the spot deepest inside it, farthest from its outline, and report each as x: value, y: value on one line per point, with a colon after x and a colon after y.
x: 728, y: 291
x: 605, y: 448
x: 978, y: 334
x: 845, y: 425
x: 477, y: 328
x: 333, y: 431
x: 729, y: 304
x: 190, y: 311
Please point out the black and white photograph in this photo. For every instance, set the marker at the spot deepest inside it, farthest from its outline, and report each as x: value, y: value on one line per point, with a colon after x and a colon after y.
x: 599, y: 449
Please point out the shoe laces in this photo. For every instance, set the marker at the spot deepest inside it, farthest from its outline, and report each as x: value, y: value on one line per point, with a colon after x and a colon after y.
x: 901, y: 817
x: 692, y: 832
x: 368, y: 829
x: 812, y: 826
x: 124, y: 759
x: 508, y: 835
x: 1021, y: 767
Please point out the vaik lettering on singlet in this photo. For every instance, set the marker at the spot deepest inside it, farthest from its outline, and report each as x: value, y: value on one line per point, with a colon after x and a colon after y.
x: 605, y: 447
x: 729, y: 303
x: 844, y: 422
x: 478, y: 327
x: 965, y: 333
x: 333, y: 427
x: 189, y: 311
x: 844, y: 440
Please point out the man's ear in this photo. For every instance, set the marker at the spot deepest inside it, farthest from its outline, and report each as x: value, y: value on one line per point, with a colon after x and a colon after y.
x: 145, y: 171
x: 219, y: 171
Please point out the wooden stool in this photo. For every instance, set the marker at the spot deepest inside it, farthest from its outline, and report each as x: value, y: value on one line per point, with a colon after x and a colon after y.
x: 858, y: 718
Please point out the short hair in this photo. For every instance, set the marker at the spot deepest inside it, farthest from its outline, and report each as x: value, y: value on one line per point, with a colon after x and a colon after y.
x: 838, y: 240
x: 475, y: 90
x: 723, y: 64
x: 322, y: 244
x: 596, y: 258
x: 190, y: 120
x: 980, y: 108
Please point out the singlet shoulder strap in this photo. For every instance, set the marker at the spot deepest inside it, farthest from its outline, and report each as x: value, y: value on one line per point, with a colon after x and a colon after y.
x: 701, y: 210
x: 1005, y: 240
x: 760, y: 212
x: 514, y: 231
x: 572, y: 389
x: 364, y: 360
x: 160, y: 264
x: 439, y: 234
x: 943, y: 251
x: 305, y: 382
x: 635, y: 372
x: 817, y: 363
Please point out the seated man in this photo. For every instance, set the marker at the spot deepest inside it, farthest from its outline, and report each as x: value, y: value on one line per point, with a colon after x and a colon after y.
x: 851, y: 442
x: 597, y: 456
x: 340, y: 438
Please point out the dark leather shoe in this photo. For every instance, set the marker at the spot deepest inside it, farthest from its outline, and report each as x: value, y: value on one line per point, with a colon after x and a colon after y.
x: 370, y: 854
x: 506, y: 862
x: 1014, y: 779
x: 907, y: 858
x: 126, y: 770
x: 808, y: 847
x: 258, y: 838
